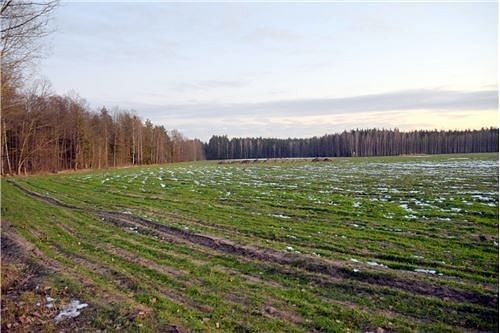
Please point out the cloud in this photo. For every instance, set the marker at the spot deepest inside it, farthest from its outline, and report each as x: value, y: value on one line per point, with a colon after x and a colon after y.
x: 100, y: 38
x: 308, y: 126
x: 425, y: 99
x: 410, y: 109
x: 208, y: 84
x: 372, y: 24
x: 272, y: 34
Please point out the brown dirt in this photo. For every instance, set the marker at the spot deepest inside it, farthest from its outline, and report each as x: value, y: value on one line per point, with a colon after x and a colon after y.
x: 42, y: 197
x: 20, y: 280
x: 129, y: 284
x: 286, y: 315
x: 25, y: 282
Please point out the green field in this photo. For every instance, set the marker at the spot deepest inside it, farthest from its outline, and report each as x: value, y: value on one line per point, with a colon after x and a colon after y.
x: 351, y: 244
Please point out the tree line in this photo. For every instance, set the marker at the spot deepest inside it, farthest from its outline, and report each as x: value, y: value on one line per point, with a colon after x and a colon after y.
x: 371, y: 142
x: 44, y: 132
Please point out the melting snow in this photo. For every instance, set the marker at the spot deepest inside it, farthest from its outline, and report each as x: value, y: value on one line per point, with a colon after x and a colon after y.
x: 428, y: 271
x: 71, y: 310
x: 49, y: 302
x: 132, y: 229
x: 373, y: 263
x: 481, y: 198
x: 281, y: 216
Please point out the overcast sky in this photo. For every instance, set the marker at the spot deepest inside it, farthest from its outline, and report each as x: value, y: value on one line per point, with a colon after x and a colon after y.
x: 281, y: 69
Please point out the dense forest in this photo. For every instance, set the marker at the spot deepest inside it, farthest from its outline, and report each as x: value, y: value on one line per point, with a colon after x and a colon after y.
x: 43, y: 132
x: 372, y: 142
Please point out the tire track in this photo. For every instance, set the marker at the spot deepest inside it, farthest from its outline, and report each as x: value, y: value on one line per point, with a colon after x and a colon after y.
x: 307, y: 263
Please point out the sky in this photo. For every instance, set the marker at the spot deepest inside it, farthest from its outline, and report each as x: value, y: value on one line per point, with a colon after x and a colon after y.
x: 281, y: 69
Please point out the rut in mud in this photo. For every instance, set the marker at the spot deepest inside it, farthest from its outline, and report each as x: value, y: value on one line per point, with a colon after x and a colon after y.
x: 37, y: 267
x: 406, y: 282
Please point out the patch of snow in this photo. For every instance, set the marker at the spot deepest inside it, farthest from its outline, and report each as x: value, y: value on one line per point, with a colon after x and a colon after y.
x: 427, y: 271
x: 281, y: 216
x: 132, y: 229
x: 71, y: 310
x: 49, y: 300
x: 374, y: 263
x: 405, y: 207
x: 482, y: 198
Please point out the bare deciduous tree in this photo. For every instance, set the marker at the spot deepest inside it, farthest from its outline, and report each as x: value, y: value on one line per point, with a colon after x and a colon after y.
x: 47, y: 132
x: 23, y: 26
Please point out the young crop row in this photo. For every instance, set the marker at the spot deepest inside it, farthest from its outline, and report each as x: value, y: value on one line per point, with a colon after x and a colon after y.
x: 359, y: 244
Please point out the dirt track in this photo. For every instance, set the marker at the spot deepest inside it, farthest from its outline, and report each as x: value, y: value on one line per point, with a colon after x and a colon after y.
x: 406, y: 282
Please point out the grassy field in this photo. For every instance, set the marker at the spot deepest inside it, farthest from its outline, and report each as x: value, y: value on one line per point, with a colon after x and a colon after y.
x: 352, y: 244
